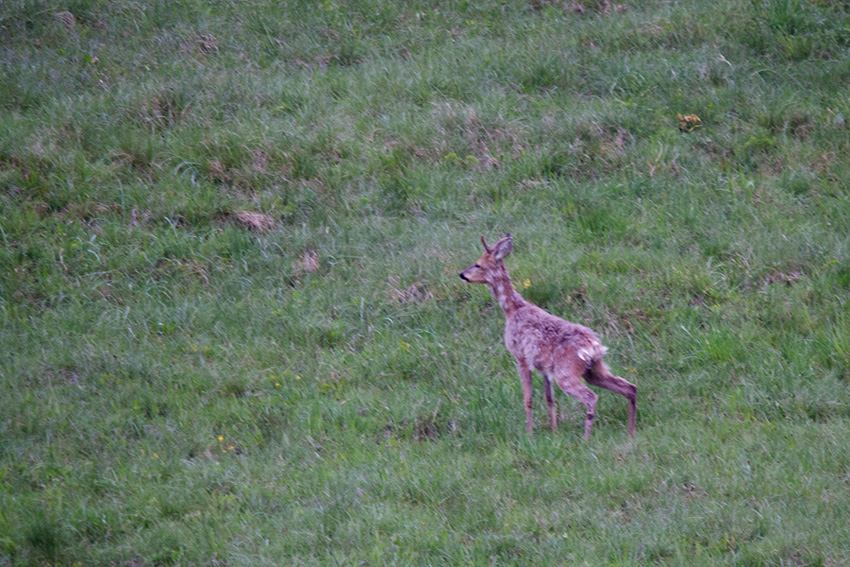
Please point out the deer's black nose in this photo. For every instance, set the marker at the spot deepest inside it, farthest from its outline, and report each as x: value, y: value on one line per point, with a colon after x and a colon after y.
x: 463, y: 277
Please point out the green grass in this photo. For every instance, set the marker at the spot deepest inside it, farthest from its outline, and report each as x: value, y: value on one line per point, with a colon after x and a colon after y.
x: 177, y: 389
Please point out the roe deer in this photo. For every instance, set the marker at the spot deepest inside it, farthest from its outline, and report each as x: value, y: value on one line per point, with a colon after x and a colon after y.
x: 562, y: 351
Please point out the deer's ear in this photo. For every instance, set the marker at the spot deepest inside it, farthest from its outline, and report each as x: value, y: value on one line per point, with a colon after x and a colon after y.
x: 484, y: 242
x: 503, y: 247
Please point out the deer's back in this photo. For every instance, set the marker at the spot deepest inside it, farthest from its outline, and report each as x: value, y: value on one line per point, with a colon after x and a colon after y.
x: 544, y: 341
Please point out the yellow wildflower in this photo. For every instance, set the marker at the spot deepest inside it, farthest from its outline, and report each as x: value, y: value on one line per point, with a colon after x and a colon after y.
x: 689, y: 123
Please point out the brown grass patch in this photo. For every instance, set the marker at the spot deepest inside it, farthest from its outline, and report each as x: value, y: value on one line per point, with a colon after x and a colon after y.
x: 416, y: 292
x: 67, y: 19
x: 259, y: 222
x: 788, y: 279
x: 309, y: 262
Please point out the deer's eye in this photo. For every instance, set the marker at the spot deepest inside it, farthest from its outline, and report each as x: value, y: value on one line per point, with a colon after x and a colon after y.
x: 477, y: 266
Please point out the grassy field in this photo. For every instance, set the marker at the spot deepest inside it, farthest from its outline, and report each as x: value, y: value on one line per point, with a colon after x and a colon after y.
x: 182, y: 384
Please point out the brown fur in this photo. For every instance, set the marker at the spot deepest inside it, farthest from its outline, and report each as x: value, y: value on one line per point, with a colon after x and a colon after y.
x: 563, y: 352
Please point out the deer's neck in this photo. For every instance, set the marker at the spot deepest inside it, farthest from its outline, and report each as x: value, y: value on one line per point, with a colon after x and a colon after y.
x: 509, y: 299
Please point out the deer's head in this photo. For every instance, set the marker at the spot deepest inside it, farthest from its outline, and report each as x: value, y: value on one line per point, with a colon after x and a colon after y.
x: 489, y: 262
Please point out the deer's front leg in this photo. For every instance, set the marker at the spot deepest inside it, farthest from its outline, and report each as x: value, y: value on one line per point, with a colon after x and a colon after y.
x: 550, y: 402
x: 525, y: 376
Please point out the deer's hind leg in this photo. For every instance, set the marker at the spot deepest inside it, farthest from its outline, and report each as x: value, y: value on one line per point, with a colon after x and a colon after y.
x: 570, y: 382
x: 598, y: 374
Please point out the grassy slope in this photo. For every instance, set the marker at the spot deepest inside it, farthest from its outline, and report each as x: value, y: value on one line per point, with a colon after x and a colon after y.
x: 175, y: 389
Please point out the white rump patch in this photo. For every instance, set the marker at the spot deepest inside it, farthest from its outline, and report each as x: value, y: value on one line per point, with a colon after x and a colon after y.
x: 592, y: 352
